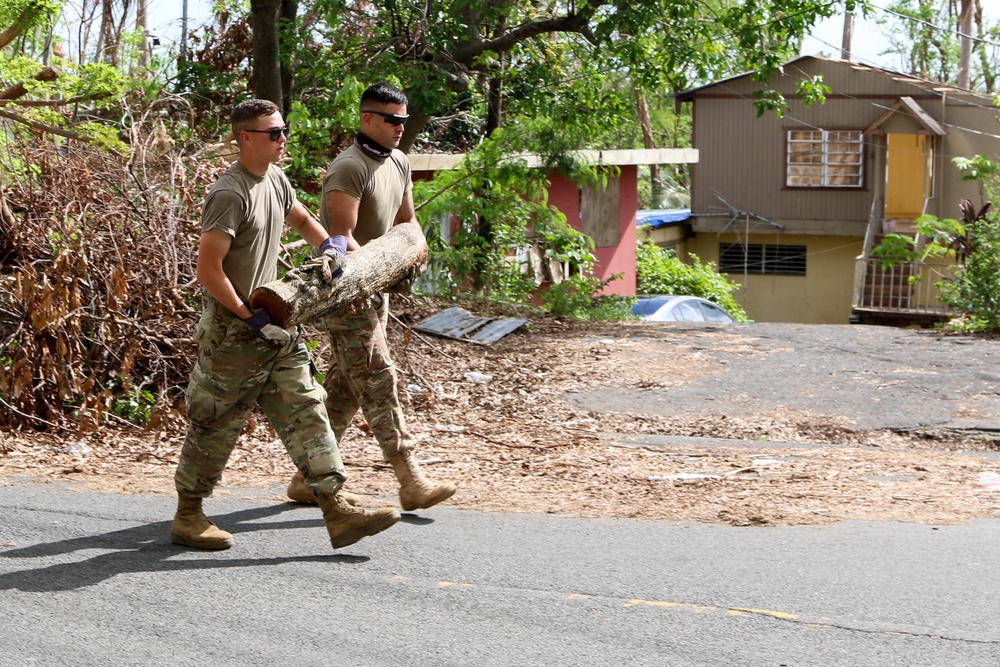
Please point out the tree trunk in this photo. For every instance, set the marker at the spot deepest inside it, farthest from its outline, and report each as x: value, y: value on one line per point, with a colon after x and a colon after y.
x: 106, y: 46
x: 649, y: 141
x: 184, y: 32
x: 140, y: 26
x: 266, y: 56
x: 965, y: 51
x: 989, y: 77
x: 494, y: 111
x: 49, y: 45
x: 289, y: 13
x: 306, y: 294
x: 845, y: 41
x: 419, y: 119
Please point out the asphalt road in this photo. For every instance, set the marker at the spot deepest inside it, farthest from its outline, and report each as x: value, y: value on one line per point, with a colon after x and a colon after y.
x: 91, y: 579
x: 878, y: 377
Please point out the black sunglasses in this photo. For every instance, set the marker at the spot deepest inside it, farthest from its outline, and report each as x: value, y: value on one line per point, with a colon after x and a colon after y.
x: 275, y: 132
x: 389, y: 118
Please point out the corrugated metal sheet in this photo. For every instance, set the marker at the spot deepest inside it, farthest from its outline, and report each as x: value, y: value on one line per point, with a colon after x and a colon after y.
x: 459, y: 324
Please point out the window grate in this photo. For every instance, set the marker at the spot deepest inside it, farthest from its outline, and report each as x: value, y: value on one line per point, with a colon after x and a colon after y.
x: 825, y: 159
x: 763, y: 259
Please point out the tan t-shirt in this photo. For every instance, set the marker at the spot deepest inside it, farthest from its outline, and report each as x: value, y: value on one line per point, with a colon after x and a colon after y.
x: 379, y: 185
x: 252, y: 210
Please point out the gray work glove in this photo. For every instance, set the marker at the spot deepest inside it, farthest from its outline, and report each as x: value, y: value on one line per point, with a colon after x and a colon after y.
x: 261, y: 324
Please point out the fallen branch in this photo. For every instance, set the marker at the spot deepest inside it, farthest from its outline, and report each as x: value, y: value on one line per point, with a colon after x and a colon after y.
x: 51, y: 129
x: 54, y: 103
x: 20, y: 90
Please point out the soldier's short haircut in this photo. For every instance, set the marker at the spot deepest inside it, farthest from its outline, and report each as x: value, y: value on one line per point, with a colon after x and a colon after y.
x: 246, y: 112
x: 382, y: 93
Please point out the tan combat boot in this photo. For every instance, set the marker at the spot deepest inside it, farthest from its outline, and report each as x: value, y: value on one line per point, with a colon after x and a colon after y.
x: 347, y: 524
x: 416, y: 491
x: 193, y: 529
x: 303, y: 494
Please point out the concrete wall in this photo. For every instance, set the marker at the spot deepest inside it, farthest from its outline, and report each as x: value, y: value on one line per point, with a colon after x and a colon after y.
x: 822, y: 296
x: 670, y: 236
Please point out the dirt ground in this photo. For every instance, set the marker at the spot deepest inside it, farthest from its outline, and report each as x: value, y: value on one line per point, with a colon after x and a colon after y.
x: 520, y: 442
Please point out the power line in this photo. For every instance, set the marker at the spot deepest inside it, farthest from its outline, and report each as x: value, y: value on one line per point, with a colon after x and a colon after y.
x: 929, y: 83
x: 955, y: 31
x: 882, y: 107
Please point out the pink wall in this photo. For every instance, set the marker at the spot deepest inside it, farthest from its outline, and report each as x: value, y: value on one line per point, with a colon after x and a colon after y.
x: 565, y: 196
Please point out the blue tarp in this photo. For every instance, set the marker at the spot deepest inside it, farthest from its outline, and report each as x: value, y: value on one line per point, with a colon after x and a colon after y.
x: 662, y: 217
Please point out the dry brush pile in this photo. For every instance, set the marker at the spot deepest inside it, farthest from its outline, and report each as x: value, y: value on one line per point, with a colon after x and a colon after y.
x: 98, y: 299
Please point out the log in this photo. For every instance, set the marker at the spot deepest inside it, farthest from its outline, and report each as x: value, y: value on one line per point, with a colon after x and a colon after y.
x: 310, y: 292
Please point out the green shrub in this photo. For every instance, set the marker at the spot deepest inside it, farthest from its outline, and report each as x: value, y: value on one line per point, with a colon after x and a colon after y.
x: 659, y: 271
x: 574, y: 298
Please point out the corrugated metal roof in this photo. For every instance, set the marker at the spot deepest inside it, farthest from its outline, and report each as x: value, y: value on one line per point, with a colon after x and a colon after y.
x: 933, y: 86
x: 459, y: 324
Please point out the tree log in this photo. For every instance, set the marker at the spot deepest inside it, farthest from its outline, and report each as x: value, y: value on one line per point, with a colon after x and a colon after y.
x: 307, y: 293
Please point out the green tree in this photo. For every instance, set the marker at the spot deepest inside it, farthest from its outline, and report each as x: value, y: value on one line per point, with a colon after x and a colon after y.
x: 924, y: 35
x: 45, y: 97
x: 17, y: 17
x: 498, y: 204
x: 472, y: 66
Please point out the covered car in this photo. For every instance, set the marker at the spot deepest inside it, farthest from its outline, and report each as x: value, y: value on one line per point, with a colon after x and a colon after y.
x: 679, y: 309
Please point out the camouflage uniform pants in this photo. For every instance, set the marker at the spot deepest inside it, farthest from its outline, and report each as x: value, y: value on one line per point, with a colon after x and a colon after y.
x: 362, y: 375
x: 236, y: 369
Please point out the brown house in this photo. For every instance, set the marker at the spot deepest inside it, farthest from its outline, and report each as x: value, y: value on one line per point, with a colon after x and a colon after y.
x: 791, y: 206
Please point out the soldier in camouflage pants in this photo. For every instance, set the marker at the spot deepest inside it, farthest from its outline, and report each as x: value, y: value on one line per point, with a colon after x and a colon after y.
x: 362, y: 373
x: 235, y: 370
x: 366, y: 191
x: 244, y: 359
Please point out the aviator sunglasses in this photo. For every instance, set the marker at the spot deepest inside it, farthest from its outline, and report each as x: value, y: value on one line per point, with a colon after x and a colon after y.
x: 389, y: 118
x: 274, y: 133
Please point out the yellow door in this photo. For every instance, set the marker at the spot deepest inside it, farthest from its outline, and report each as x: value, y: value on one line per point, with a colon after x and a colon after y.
x: 906, y: 176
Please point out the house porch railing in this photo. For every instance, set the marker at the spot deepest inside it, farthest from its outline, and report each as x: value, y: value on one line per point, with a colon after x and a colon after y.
x: 906, y: 288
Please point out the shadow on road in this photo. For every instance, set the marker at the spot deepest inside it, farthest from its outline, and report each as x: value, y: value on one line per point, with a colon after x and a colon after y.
x: 147, y: 549
x: 416, y: 519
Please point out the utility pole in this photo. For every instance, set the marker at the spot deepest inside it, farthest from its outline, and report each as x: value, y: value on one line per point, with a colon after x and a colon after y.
x: 845, y: 44
x: 965, y: 55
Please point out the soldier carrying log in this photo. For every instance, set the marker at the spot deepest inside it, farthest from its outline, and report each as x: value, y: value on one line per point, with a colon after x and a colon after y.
x: 244, y: 358
x: 367, y: 191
